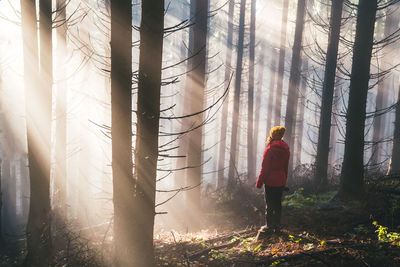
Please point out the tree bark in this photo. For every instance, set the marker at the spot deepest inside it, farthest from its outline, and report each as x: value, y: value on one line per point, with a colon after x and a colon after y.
x: 394, y: 164
x: 391, y: 25
x: 148, y: 114
x: 5, y: 175
x: 38, y: 116
x: 25, y: 188
x: 300, y: 122
x: 258, y: 101
x: 251, y: 163
x: 321, y: 163
x: 10, y: 195
x: 127, y: 249
x: 352, y: 175
x: 271, y: 92
x: 1, y: 204
x: 281, y: 66
x: 197, y: 88
x: 294, y: 80
x: 181, y: 163
x: 224, y: 117
x: 236, y: 104
x: 61, y: 117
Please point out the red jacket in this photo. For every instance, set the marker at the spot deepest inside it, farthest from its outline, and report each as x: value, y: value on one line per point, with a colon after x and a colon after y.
x: 275, y: 163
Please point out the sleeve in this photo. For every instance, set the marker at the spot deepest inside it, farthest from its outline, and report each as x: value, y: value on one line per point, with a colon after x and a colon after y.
x: 287, y: 163
x: 264, y: 168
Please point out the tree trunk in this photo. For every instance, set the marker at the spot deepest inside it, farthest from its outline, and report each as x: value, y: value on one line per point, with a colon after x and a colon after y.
x: 25, y: 188
x: 224, y: 117
x: 352, y: 175
x: 391, y: 25
x: 300, y: 122
x: 1, y: 162
x: 1, y: 205
x: 148, y: 114
x: 38, y: 102
x: 238, y: 81
x: 321, y: 164
x: 178, y: 202
x: 10, y: 195
x: 281, y: 66
x: 197, y: 88
x: 61, y: 118
x: 394, y: 164
x: 125, y: 236
x: 271, y: 92
x: 333, y: 137
x: 294, y: 80
x: 5, y: 176
x: 258, y: 101
x: 181, y: 163
x: 251, y: 163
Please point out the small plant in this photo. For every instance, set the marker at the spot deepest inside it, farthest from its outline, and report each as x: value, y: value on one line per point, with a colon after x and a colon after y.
x: 217, y: 255
x: 385, y: 236
x: 298, y: 200
x: 276, y: 262
x: 294, y: 239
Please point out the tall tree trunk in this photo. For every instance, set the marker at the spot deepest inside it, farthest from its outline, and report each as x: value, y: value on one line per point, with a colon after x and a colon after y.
x: 271, y: 92
x: 394, y: 164
x: 294, y: 79
x: 25, y: 187
x: 5, y: 175
x: 391, y: 25
x: 10, y: 196
x: 321, y: 171
x: 61, y: 117
x: 197, y: 88
x: 181, y: 163
x: 1, y: 203
x: 236, y: 104
x: 148, y: 114
x: 352, y: 175
x: 125, y: 236
x: 258, y: 100
x: 281, y: 66
x: 179, y: 212
x: 1, y: 162
x: 251, y: 163
x: 39, y: 101
x: 300, y: 122
x: 224, y: 117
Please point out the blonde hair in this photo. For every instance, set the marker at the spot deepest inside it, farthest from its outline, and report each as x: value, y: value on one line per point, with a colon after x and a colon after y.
x: 277, y: 132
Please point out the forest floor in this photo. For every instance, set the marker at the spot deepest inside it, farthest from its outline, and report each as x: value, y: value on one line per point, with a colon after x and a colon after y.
x: 316, y: 231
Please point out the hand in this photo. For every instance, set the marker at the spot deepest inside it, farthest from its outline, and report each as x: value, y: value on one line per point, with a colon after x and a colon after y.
x: 259, y: 184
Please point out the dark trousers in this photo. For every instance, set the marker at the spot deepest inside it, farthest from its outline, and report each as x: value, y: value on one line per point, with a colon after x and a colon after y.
x: 273, y: 200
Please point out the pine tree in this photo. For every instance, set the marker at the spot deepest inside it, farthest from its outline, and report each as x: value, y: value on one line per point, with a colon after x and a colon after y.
x: 321, y: 173
x: 236, y: 104
x: 147, y: 128
x: 294, y: 80
x: 39, y: 105
x: 224, y: 121
x: 352, y: 175
x: 125, y: 236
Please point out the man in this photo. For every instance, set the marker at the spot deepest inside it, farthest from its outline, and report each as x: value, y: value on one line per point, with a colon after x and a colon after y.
x: 273, y: 175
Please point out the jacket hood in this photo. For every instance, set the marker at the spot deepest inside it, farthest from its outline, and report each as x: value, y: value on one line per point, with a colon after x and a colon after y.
x: 278, y: 148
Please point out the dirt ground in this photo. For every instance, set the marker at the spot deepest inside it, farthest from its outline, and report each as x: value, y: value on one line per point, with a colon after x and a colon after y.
x: 334, y: 234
